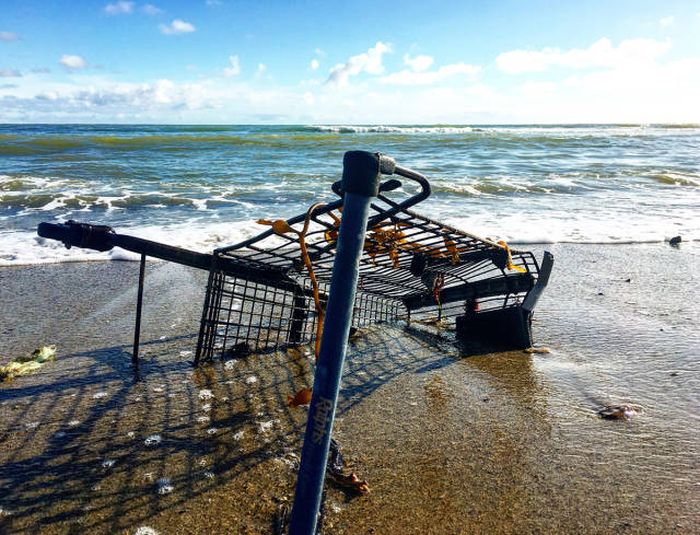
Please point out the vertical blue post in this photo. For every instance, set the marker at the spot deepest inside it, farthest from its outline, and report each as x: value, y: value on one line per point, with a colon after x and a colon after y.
x: 361, y: 172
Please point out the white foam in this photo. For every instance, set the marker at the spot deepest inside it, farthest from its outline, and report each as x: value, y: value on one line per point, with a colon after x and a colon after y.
x: 164, y: 486
x: 205, y: 394
x: 153, y: 440
x: 572, y: 207
x: 389, y: 129
x: 265, y: 427
x: 24, y: 247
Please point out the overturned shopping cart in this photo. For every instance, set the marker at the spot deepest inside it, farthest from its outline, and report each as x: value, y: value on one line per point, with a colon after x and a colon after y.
x: 271, y: 291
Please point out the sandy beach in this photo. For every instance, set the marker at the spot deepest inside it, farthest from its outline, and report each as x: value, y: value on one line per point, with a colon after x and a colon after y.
x: 449, y: 440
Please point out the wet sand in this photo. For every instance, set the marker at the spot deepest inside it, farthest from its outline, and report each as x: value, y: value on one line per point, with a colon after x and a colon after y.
x: 450, y: 439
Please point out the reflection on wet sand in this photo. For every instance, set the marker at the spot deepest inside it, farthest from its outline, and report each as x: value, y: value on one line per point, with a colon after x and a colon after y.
x: 449, y: 439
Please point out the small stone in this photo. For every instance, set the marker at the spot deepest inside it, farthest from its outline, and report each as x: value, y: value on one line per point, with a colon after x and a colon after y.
x: 625, y: 411
x: 164, y: 486
x: 153, y: 440
x: 205, y: 394
x: 541, y: 349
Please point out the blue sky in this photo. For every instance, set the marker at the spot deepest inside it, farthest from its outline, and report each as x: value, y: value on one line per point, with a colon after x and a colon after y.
x: 225, y: 61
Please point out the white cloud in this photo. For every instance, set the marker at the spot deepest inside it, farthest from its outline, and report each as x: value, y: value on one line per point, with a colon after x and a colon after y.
x: 602, y: 53
x: 150, y: 9
x: 666, y: 21
x: 177, y: 26
x: 638, y: 84
x: 234, y: 68
x: 661, y: 92
x: 10, y: 73
x: 412, y: 77
x: 314, y: 64
x: 309, y: 98
x: 8, y: 36
x: 262, y: 68
x: 537, y: 88
x: 101, y: 97
x: 119, y: 8
x: 369, y: 62
x: 418, y: 63
x: 73, y: 62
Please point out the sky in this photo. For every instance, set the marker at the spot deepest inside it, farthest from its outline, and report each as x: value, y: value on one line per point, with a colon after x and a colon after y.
x: 350, y: 62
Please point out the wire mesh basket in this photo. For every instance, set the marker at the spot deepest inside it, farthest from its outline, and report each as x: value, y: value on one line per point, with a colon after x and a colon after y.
x: 412, y: 268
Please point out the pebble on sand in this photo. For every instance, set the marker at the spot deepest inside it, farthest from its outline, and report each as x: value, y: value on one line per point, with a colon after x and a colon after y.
x: 541, y: 349
x: 164, y: 486
x: 626, y: 411
x: 153, y: 440
x: 205, y: 394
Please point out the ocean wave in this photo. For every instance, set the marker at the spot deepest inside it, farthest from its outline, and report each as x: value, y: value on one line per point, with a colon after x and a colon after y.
x: 677, y: 178
x: 362, y: 129
x: 532, y: 225
x: 319, y: 136
x: 26, y: 248
x: 36, y: 146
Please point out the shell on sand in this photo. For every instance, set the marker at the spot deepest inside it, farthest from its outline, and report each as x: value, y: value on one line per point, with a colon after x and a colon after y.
x: 537, y: 350
x: 625, y: 411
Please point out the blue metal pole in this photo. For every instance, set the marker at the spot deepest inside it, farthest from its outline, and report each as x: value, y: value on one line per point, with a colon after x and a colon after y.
x: 360, y: 184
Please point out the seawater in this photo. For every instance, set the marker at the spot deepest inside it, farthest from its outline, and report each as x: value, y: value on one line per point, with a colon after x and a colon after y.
x: 202, y: 187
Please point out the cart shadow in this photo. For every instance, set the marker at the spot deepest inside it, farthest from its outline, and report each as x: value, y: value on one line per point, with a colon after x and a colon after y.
x: 75, y: 437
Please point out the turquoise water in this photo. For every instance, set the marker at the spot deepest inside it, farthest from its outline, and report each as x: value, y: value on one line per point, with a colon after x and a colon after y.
x: 204, y: 186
